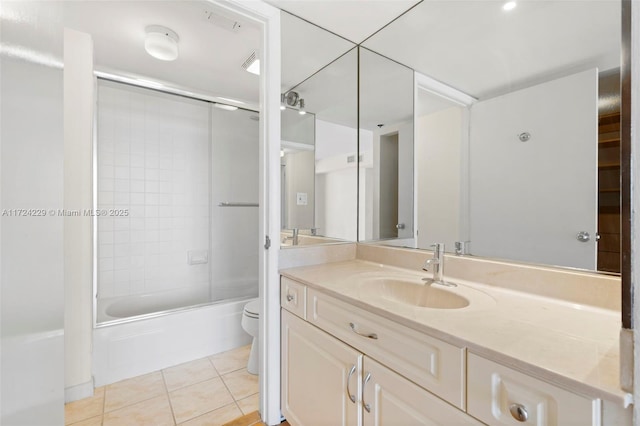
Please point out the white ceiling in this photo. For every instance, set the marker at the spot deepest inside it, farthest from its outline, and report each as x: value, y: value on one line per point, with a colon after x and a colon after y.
x: 354, y: 20
x: 482, y: 50
x: 210, y: 56
x: 306, y: 48
x: 471, y: 45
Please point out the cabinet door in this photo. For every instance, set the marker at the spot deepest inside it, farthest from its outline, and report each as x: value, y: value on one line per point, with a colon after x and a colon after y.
x: 390, y: 399
x: 320, y: 374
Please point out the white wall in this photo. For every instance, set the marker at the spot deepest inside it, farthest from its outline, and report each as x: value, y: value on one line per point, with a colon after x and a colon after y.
x: 336, y: 181
x: 528, y: 200
x: 153, y: 161
x: 78, y: 262
x: 32, y: 256
x: 300, y: 178
x: 234, y: 230
x: 438, y: 176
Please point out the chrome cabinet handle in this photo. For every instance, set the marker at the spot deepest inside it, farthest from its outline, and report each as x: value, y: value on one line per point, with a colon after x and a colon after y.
x: 351, y: 397
x: 290, y: 297
x: 367, y: 335
x: 519, y: 412
x: 364, y: 384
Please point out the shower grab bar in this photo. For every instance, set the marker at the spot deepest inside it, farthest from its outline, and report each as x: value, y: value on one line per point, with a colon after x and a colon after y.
x: 236, y: 204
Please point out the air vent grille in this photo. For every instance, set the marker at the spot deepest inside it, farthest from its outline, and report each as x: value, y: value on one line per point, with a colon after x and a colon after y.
x: 249, y: 60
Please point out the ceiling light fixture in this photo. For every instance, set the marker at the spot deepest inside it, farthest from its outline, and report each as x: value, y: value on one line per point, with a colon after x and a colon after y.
x: 301, y: 111
x: 161, y: 43
x: 252, y: 64
x: 510, y: 5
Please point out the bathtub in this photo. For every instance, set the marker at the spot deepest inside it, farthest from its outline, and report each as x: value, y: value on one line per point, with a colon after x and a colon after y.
x: 132, y: 337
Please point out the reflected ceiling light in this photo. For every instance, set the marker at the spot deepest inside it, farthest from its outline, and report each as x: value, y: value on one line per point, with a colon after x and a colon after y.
x: 161, y: 43
x: 252, y: 64
x: 301, y: 111
x: 231, y: 100
x: 510, y: 5
x: 282, y: 101
x: 225, y: 107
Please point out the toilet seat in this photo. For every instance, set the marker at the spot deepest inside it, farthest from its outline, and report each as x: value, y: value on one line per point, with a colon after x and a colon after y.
x: 252, y: 309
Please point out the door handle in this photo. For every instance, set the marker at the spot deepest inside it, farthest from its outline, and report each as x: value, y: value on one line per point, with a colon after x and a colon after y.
x: 364, y: 384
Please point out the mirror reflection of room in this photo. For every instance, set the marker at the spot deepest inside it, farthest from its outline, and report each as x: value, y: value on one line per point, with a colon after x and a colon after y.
x: 318, y: 136
x: 517, y: 156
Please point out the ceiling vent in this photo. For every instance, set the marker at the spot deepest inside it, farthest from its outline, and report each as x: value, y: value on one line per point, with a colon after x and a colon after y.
x: 252, y: 64
x: 223, y: 22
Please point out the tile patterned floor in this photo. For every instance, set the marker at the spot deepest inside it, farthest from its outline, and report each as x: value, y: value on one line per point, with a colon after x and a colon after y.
x: 209, y: 391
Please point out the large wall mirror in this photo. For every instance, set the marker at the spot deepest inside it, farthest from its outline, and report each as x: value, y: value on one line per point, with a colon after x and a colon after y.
x: 517, y: 129
x: 319, y: 135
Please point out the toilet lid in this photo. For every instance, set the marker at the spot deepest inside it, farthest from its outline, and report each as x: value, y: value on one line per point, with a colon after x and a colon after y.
x: 252, y: 308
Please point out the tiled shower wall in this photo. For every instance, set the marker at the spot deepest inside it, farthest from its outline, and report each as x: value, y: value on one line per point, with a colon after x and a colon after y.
x: 153, y: 162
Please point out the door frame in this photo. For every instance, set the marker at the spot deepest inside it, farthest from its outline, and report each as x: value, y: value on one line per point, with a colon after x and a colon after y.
x: 268, y: 17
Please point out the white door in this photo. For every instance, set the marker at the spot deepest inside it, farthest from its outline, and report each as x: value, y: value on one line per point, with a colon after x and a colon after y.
x: 533, y: 173
x: 390, y: 399
x: 320, y: 376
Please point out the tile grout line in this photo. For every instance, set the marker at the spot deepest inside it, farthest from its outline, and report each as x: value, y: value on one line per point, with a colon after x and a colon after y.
x: 166, y: 390
x: 227, y: 387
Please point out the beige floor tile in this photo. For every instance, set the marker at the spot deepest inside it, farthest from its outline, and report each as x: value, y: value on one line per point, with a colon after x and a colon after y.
x: 249, y: 404
x: 241, y: 383
x: 216, y: 417
x: 195, y: 400
x: 130, y: 391
x: 93, y: 421
x: 232, y: 360
x: 84, y: 408
x: 152, y: 412
x: 189, y: 373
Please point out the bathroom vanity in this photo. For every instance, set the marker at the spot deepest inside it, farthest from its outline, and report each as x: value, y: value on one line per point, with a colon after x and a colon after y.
x: 368, y: 343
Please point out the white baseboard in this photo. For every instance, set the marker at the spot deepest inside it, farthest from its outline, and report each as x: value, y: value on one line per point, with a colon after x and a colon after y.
x: 81, y: 391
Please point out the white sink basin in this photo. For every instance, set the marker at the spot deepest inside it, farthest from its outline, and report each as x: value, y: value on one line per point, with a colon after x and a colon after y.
x: 413, y: 293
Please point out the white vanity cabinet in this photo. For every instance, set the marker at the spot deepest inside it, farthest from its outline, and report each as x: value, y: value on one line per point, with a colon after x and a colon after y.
x: 320, y: 376
x: 390, y: 399
x: 344, y: 365
x: 327, y: 382
x: 499, y: 395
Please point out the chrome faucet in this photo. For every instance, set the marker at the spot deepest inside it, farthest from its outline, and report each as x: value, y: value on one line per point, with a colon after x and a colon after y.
x: 293, y: 237
x: 436, y: 265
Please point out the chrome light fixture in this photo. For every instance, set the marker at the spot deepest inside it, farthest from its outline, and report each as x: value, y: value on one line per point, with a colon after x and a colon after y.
x: 294, y: 100
x: 161, y: 43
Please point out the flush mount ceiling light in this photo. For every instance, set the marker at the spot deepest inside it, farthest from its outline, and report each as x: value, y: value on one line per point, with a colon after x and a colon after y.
x: 510, y: 5
x: 161, y: 43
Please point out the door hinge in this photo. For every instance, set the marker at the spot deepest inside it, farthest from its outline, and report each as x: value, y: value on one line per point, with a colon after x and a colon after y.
x: 267, y: 242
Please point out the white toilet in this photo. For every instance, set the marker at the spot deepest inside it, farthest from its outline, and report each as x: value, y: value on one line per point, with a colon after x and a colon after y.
x: 250, y: 319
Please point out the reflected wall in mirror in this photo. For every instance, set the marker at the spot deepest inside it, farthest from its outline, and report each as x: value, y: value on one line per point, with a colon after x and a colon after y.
x: 526, y: 167
x: 386, y: 149
x: 318, y: 136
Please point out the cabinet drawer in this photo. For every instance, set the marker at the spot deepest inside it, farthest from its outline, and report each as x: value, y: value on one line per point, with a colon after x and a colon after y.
x: 431, y: 363
x: 495, y: 391
x: 292, y: 297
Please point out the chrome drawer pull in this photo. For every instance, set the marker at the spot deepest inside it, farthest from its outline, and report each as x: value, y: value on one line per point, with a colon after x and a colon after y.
x: 290, y: 297
x: 367, y: 335
x: 351, y: 397
x: 364, y: 384
x: 519, y: 412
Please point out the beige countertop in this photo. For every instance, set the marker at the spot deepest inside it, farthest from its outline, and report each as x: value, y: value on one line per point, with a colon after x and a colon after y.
x: 573, y: 346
